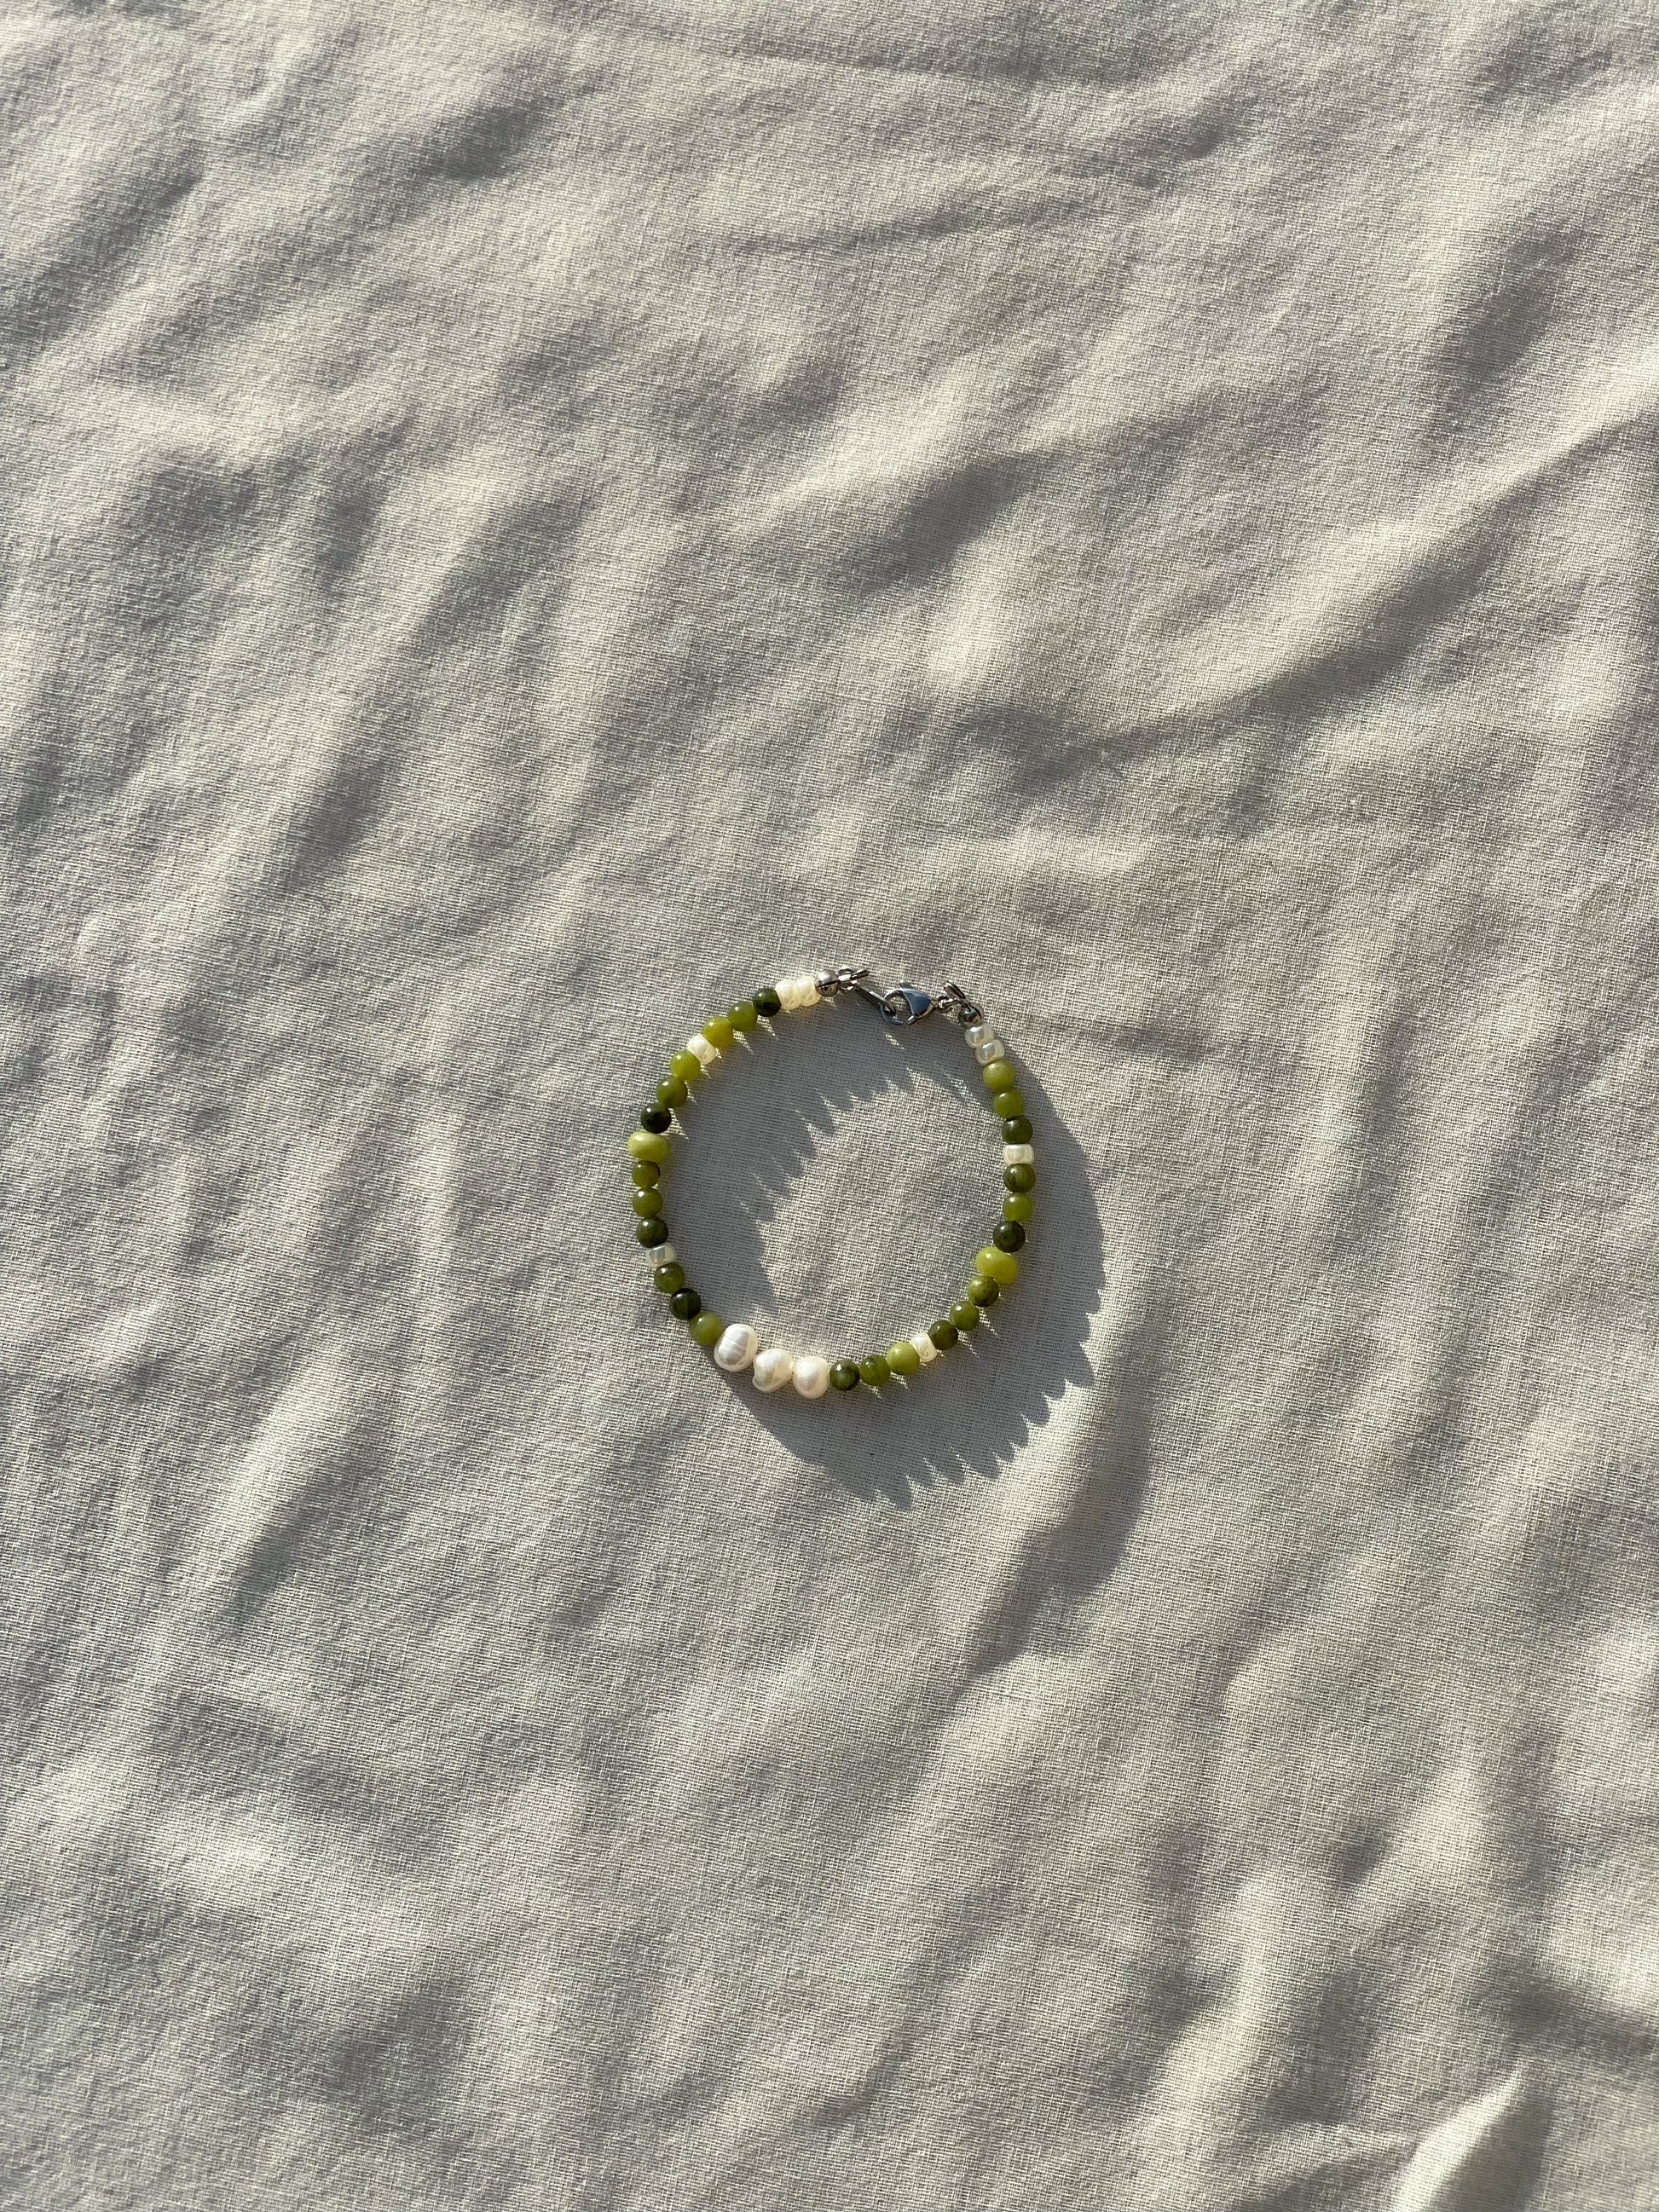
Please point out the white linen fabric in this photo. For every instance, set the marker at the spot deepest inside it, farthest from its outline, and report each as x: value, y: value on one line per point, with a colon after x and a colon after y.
x: 522, y: 522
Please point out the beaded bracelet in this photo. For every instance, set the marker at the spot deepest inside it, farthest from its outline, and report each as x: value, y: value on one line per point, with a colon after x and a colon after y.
x: 737, y: 1346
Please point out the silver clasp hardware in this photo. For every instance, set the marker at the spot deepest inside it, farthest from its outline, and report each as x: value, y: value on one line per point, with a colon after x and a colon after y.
x: 902, y: 1004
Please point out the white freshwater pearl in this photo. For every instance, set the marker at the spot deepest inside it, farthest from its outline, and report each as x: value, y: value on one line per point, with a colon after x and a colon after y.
x: 706, y: 1053
x: 1014, y: 1155
x: 976, y: 1032
x: 660, y: 1255
x: 927, y: 1350
x: 785, y: 988
x: 808, y: 990
x: 812, y: 1376
x: 773, y: 1369
x: 991, y: 1048
x: 737, y: 1347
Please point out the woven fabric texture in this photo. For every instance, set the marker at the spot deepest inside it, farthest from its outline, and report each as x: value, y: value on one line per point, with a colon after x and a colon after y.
x: 520, y: 523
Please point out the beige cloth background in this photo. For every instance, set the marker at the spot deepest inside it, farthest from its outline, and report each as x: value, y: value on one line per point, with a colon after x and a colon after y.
x: 522, y: 521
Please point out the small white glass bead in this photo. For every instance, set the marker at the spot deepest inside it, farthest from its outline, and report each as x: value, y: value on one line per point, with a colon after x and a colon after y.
x: 737, y: 1347
x: 991, y: 1048
x: 773, y: 1369
x: 927, y: 1350
x: 706, y: 1053
x: 660, y: 1255
x: 1014, y: 1155
x: 976, y: 1032
x: 812, y: 1376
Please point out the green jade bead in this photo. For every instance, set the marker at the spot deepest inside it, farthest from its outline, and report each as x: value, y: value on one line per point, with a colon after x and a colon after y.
x: 843, y: 1376
x: 648, y: 1204
x: 1021, y: 1176
x: 686, y: 1065
x: 647, y: 1145
x: 998, y: 1076
x: 942, y: 1335
x: 903, y: 1358
x: 673, y: 1092
x: 655, y: 1231
x: 1018, y: 1209
x: 875, y: 1371
x: 707, y: 1329
x: 1007, y: 1102
x: 964, y: 1315
x: 1001, y: 1267
x: 656, y: 1118
x: 1008, y: 1236
x: 647, y: 1175
x: 743, y: 1016
x: 983, y: 1290
x: 768, y: 1002
x: 685, y: 1305
x: 719, y: 1032
x: 669, y: 1278
x: 1016, y: 1130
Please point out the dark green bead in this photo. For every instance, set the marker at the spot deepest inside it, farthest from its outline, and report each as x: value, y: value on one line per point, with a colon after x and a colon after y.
x: 942, y: 1335
x: 656, y: 1119
x: 685, y: 1305
x: 1017, y: 1207
x: 875, y: 1371
x: 983, y: 1290
x: 670, y: 1277
x: 655, y: 1231
x: 743, y: 1016
x: 1008, y: 1236
x: 843, y: 1376
x: 647, y: 1175
x: 648, y: 1203
x: 1021, y: 1176
x: 1008, y: 1102
x: 1017, y: 1130
x: 965, y: 1314
x: 768, y: 1002
x: 673, y: 1092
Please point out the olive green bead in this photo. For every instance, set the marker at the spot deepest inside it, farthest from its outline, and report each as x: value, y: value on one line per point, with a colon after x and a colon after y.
x: 718, y: 1032
x: 1016, y: 1130
x: 843, y: 1376
x: 685, y: 1305
x: 673, y: 1092
x: 707, y: 1330
x: 655, y: 1117
x: 1021, y: 1176
x: 647, y: 1145
x: 983, y: 1290
x: 903, y: 1358
x: 965, y: 1314
x: 768, y: 1002
x: 648, y: 1204
x: 942, y: 1335
x: 998, y: 1076
x: 1007, y: 1103
x: 647, y: 1175
x: 669, y: 1278
x: 1008, y: 1236
x: 1017, y: 1208
x: 875, y: 1371
x: 743, y: 1016
x: 686, y: 1065
x: 1001, y: 1267
x: 655, y: 1231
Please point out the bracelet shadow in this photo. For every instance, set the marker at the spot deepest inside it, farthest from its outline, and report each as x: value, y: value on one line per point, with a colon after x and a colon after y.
x: 970, y: 1414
